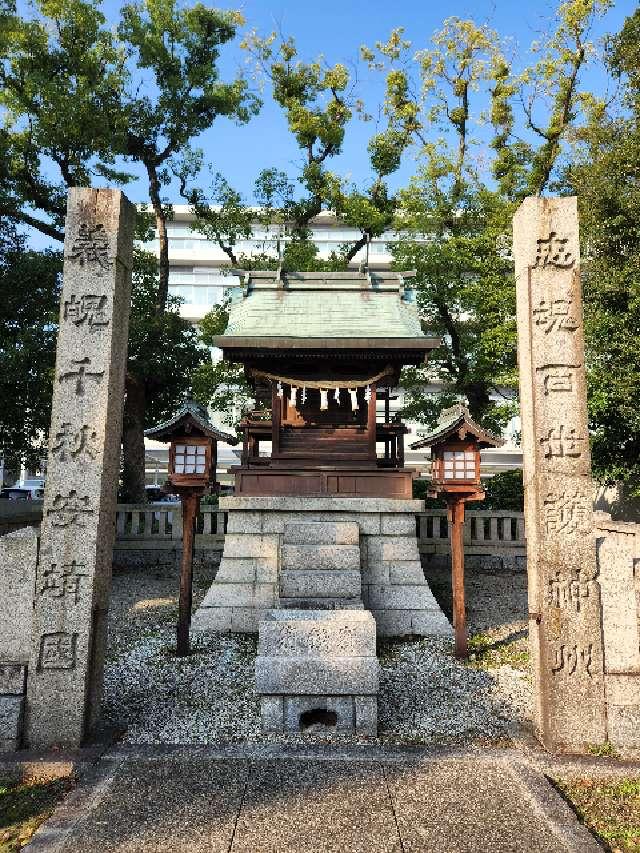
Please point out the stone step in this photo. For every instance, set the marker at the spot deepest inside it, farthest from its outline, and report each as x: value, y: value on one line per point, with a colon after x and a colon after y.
x: 322, y: 533
x: 325, y: 557
x: 320, y: 584
x: 299, y: 632
x: 309, y: 603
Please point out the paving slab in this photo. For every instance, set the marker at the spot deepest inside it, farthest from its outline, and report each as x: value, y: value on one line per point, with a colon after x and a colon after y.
x: 467, y: 805
x: 176, y: 802
x: 319, y: 806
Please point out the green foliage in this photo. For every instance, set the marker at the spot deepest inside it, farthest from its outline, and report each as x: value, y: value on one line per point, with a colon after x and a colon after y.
x: 164, y: 348
x: 318, y: 104
x: 605, y: 176
x: 30, y: 283
x: 60, y: 80
x: 503, y: 491
x: 454, y: 221
x: 24, y: 806
x: 609, y: 807
x: 222, y: 385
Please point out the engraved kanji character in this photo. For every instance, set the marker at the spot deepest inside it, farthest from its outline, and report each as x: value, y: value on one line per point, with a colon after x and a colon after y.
x: 62, y: 580
x: 69, y: 509
x: 565, y: 513
x: 565, y: 592
x: 91, y: 246
x: 553, y: 251
x: 555, y: 314
x: 81, y: 374
x: 561, y: 442
x: 57, y: 651
x: 557, y: 377
x: 75, y: 443
x: 90, y: 308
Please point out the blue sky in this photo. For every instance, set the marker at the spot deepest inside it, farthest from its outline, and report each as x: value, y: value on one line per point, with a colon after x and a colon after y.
x: 336, y: 29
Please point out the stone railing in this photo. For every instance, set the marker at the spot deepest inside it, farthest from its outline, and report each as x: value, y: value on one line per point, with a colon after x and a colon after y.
x: 158, y: 527
x: 487, y: 533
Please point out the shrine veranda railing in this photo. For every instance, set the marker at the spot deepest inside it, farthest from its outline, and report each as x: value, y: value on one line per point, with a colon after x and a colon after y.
x: 159, y: 527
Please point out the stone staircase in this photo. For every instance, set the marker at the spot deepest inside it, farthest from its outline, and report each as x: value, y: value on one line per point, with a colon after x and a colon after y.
x: 317, y: 653
x: 320, y: 566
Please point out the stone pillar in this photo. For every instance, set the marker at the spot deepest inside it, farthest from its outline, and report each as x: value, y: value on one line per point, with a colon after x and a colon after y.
x: 78, y: 526
x: 564, y: 593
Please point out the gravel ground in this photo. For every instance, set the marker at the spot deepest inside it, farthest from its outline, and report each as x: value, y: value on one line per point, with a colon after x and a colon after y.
x: 426, y: 695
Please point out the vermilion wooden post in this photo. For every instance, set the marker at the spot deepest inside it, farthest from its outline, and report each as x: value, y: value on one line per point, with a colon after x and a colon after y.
x: 190, y: 507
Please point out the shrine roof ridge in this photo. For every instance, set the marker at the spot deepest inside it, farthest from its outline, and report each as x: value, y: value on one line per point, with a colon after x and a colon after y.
x: 335, y: 280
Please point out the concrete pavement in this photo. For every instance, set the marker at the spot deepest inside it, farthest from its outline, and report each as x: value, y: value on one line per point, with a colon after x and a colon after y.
x: 274, y: 800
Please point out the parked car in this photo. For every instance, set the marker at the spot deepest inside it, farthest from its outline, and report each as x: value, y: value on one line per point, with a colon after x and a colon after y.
x: 16, y: 494
x: 155, y: 494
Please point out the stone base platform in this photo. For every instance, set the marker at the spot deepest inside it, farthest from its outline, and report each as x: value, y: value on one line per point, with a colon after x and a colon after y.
x: 318, y: 667
x: 249, y: 582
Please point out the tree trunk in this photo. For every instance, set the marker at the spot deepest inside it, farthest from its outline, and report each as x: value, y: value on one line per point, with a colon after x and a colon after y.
x: 133, y: 475
x: 479, y: 399
x: 163, y: 240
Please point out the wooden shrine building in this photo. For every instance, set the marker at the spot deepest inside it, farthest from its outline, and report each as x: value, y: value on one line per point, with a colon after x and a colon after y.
x: 323, y: 352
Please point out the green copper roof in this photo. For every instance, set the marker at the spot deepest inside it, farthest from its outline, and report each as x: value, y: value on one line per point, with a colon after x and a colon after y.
x: 191, y: 413
x: 324, y: 305
x: 457, y: 420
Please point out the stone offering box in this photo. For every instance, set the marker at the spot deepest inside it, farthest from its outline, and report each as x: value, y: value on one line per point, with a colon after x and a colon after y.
x: 318, y: 666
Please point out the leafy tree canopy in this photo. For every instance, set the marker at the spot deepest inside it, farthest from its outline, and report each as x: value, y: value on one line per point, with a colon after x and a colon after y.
x: 30, y: 284
x: 605, y: 175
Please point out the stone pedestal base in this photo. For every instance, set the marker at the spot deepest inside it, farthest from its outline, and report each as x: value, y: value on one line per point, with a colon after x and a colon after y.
x: 318, y: 667
x: 249, y: 582
x: 294, y: 714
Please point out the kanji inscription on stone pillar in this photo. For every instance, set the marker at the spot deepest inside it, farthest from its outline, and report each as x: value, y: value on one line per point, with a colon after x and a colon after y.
x: 564, y: 591
x: 74, y: 565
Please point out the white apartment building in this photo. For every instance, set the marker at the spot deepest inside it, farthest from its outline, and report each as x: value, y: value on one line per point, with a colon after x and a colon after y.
x: 197, y: 277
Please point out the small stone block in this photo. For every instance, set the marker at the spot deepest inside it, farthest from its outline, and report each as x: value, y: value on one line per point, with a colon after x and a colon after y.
x: 310, y: 633
x: 430, y: 623
x: 13, y: 679
x: 244, y: 522
x: 392, y: 548
x: 212, y: 619
x: 321, y: 533
x: 316, y: 676
x: 11, y: 721
x: 398, y: 524
x: 320, y: 584
x: 366, y: 714
x: 327, y: 557
x: 272, y: 713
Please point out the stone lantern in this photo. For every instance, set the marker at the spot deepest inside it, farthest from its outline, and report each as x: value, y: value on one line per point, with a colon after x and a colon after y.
x: 455, y: 445
x: 192, y: 473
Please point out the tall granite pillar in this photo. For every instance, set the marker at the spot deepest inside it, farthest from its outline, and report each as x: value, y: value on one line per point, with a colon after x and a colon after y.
x: 564, y: 592
x: 73, y: 576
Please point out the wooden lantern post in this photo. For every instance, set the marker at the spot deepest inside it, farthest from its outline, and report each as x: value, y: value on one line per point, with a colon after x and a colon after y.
x: 455, y: 474
x: 189, y: 476
x: 192, y: 473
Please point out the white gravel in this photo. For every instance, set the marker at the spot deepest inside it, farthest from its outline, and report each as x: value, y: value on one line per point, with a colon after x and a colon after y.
x: 426, y: 695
